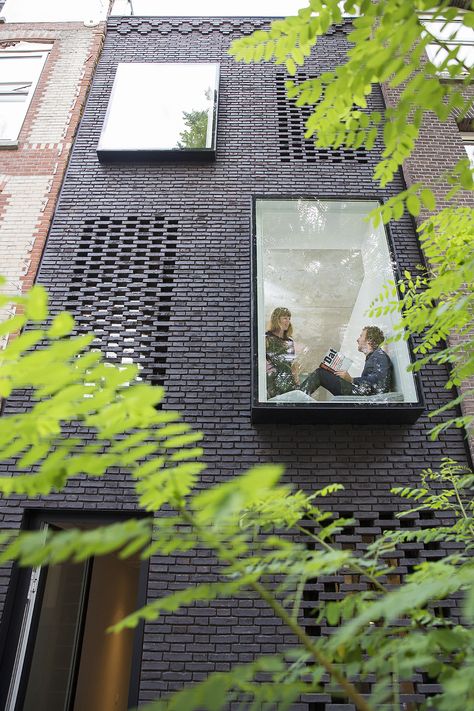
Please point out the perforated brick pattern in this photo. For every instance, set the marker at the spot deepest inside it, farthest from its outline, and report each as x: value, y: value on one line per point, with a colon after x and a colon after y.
x: 292, y: 127
x: 366, y: 528
x: 121, y: 288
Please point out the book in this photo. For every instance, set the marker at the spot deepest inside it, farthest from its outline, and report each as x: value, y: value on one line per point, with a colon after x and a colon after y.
x: 334, y: 360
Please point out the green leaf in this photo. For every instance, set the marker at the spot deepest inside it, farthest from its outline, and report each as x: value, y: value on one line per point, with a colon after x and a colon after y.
x: 398, y: 210
x: 298, y: 56
x: 269, y: 47
x: 15, y: 323
x: 62, y: 325
x: 468, y: 19
x: 5, y: 387
x: 428, y: 199
x: 413, y: 205
x: 290, y: 66
x: 37, y: 304
x: 333, y: 613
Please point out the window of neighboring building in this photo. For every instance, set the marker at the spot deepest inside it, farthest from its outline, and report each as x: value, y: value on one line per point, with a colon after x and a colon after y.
x: 456, y: 38
x: 21, y: 64
x: 61, y: 655
x: 88, y: 11
x: 322, y: 263
x: 466, y: 132
x: 162, y: 108
x: 468, y: 141
x: 469, y: 146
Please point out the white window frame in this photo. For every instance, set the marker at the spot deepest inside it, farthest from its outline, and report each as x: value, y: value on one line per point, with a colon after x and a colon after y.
x: 21, y: 50
x: 452, y: 34
x: 126, y: 129
x: 468, y: 141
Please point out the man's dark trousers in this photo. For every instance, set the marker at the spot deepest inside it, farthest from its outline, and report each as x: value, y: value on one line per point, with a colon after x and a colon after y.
x: 324, y: 378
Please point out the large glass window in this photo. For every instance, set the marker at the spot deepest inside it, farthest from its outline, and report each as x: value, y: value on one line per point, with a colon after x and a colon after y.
x: 20, y: 68
x: 319, y: 266
x: 162, y: 108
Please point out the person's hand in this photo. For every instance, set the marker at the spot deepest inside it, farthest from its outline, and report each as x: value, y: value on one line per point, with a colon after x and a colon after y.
x: 344, y: 375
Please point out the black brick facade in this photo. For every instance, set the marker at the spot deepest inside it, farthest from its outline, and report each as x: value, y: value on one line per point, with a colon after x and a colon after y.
x: 166, y: 246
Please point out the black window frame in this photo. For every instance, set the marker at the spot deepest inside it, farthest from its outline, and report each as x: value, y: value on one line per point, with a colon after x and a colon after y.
x: 321, y: 412
x: 16, y: 599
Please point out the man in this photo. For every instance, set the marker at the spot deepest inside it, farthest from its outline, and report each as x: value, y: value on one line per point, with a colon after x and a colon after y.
x: 376, y: 376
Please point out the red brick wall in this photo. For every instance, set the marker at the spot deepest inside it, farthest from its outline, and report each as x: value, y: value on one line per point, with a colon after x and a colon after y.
x: 439, y: 147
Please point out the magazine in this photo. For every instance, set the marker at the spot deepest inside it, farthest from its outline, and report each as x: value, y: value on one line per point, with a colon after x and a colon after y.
x: 334, y: 360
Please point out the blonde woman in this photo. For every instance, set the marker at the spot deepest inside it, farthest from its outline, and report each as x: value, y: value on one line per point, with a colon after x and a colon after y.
x: 282, y: 370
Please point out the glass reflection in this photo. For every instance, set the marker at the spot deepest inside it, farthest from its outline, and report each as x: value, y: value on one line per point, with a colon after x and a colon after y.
x: 161, y: 107
x: 320, y: 266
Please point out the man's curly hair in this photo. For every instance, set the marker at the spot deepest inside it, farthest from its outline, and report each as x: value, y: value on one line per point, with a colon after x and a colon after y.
x: 374, y: 336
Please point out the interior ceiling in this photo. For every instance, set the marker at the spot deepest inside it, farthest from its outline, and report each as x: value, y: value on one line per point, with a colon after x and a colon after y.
x: 313, y: 278
x: 312, y: 223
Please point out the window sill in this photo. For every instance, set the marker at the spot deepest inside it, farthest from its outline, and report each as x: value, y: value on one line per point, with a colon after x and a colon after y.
x: 329, y: 414
x: 139, y: 156
x: 8, y: 144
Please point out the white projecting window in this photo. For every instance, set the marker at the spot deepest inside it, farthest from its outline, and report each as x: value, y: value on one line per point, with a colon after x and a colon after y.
x: 162, y: 108
x: 21, y: 64
x: 90, y: 12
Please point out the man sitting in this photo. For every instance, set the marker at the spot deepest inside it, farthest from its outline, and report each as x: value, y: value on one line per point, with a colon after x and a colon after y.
x: 376, y: 376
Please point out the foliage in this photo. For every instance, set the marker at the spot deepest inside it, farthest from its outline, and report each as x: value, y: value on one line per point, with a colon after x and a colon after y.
x: 89, y: 416
x: 439, y: 304
x: 71, y: 383
x: 388, y: 44
x: 267, y: 540
x: 194, y: 135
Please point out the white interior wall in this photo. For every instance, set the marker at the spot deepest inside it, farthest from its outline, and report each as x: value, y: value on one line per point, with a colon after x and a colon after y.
x: 377, y: 271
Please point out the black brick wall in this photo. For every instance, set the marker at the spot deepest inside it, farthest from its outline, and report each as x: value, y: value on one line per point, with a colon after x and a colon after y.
x: 193, y: 316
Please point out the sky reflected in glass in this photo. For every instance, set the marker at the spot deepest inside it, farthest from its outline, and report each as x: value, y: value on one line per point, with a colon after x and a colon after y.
x: 161, y: 107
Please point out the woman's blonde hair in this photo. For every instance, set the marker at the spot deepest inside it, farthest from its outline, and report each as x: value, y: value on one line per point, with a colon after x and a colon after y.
x: 275, y: 320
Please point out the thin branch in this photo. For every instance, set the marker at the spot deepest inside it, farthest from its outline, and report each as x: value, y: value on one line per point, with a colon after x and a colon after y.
x: 331, y: 669
x: 352, y: 566
x: 298, y: 596
x: 223, y: 555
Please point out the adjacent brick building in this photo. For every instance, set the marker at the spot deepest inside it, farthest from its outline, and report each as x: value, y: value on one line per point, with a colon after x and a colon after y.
x: 33, y: 165
x: 154, y: 255
x: 438, y: 148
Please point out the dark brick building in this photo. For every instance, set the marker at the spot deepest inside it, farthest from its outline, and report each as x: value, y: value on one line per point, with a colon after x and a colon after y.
x: 155, y: 257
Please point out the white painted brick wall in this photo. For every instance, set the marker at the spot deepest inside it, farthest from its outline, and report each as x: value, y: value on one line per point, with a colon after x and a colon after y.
x: 17, y: 228
x: 53, y: 116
